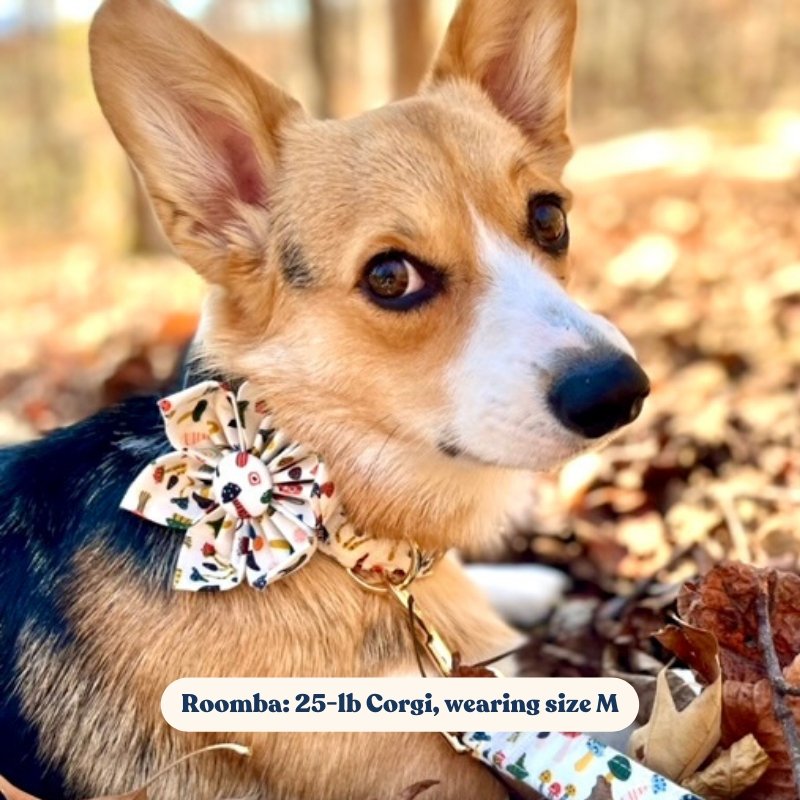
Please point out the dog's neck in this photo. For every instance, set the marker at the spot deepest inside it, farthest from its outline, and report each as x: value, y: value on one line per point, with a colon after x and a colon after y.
x: 391, y: 489
x: 436, y: 501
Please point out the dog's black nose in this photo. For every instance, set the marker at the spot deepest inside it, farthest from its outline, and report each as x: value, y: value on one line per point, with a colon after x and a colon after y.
x: 597, y: 397
x: 230, y: 491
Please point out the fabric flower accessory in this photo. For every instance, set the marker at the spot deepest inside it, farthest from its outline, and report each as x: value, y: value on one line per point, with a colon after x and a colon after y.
x: 238, y: 488
x: 253, y: 505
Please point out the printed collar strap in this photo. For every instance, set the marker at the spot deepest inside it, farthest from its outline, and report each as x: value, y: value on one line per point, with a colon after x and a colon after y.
x: 251, y: 504
x: 570, y: 765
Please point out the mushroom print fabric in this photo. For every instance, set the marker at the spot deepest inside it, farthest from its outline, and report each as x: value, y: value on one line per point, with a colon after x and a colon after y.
x: 242, y: 493
x: 571, y: 766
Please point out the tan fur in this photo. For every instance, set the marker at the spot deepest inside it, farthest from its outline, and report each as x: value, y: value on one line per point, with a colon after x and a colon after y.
x: 240, y: 177
x: 131, y: 642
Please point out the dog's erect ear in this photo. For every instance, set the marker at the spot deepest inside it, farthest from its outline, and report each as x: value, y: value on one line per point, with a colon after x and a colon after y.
x: 201, y: 128
x: 520, y: 52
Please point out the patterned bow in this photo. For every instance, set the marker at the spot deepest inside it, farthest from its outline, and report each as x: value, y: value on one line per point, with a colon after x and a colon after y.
x: 241, y: 491
x: 251, y: 503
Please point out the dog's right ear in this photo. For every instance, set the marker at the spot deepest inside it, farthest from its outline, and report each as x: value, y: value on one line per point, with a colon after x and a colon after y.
x: 201, y: 128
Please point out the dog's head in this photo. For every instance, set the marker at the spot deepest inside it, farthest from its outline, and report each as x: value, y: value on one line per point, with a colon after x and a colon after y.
x: 396, y: 281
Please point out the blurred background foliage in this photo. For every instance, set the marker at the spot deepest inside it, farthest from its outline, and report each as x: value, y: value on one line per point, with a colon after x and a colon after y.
x: 686, y: 232
x: 638, y: 64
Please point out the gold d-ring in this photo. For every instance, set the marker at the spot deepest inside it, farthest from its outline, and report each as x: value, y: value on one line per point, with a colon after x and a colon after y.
x: 384, y: 583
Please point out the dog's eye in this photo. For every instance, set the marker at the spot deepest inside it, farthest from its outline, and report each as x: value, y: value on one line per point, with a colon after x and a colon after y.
x: 254, y: 478
x: 547, y: 223
x: 398, y: 282
x: 393, y: 277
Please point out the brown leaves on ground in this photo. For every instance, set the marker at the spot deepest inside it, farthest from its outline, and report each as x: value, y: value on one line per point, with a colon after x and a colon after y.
x: 675, y: 743
x: 724, y: 742
x: 732, y: 771
x: 724, y: 602
x: 81, y: 331
x: 719, y: 640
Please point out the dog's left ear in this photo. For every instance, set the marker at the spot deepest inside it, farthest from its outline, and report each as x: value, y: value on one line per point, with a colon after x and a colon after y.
x: 520, y: 53
x: 203, y: 130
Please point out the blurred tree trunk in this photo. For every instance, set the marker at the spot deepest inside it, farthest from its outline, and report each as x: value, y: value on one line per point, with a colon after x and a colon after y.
x: 322, y: 56
x: 42, y: 93
x: 42, y: 90
x: 337, y: 56
x: 413, y: 43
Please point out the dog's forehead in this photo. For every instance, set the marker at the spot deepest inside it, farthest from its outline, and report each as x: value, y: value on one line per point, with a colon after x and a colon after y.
x: 411, y: 175
x: 444, y: 144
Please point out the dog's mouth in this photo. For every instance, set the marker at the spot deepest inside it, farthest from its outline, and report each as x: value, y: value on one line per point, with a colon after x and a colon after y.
x: 454, y: 452
x: 552, y: 454
x: 556, y: 455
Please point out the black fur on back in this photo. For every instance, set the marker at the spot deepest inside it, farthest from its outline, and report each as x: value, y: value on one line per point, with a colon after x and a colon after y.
x: 59, y: 495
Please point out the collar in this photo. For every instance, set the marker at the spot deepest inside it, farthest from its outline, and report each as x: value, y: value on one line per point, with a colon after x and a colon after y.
x: 252, y: 505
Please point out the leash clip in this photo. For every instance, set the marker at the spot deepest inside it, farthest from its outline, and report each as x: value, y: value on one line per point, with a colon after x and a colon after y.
x: 427, y: 635
x: 383, y: 583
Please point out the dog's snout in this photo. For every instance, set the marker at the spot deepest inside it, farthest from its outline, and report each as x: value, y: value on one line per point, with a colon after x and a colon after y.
x: 594, y: 398
x: 230, y: 491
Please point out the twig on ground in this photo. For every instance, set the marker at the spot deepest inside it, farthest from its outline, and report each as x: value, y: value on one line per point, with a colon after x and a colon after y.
x: 616, y: 607
x: 771, y: 494
x: 739, y: 538
x: 564, y: 655
x: 781, y: 688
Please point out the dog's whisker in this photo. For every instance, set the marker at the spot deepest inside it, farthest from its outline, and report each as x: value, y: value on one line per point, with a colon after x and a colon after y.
x: 377, y: 459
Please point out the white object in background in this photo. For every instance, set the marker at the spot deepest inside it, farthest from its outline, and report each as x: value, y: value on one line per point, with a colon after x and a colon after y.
x: 523, y: 594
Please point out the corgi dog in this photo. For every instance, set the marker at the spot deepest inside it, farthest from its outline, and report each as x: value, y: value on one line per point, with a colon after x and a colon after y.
x: 395, y: 285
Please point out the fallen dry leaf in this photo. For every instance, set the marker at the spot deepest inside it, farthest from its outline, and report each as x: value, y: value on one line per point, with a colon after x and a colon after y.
x: 725, y: 601
x: 731, y: 772
x: 415, y: 790
x: 675, y: 743
x: 10, y: 792
x: 696, y: 647
x: 747, y: 707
